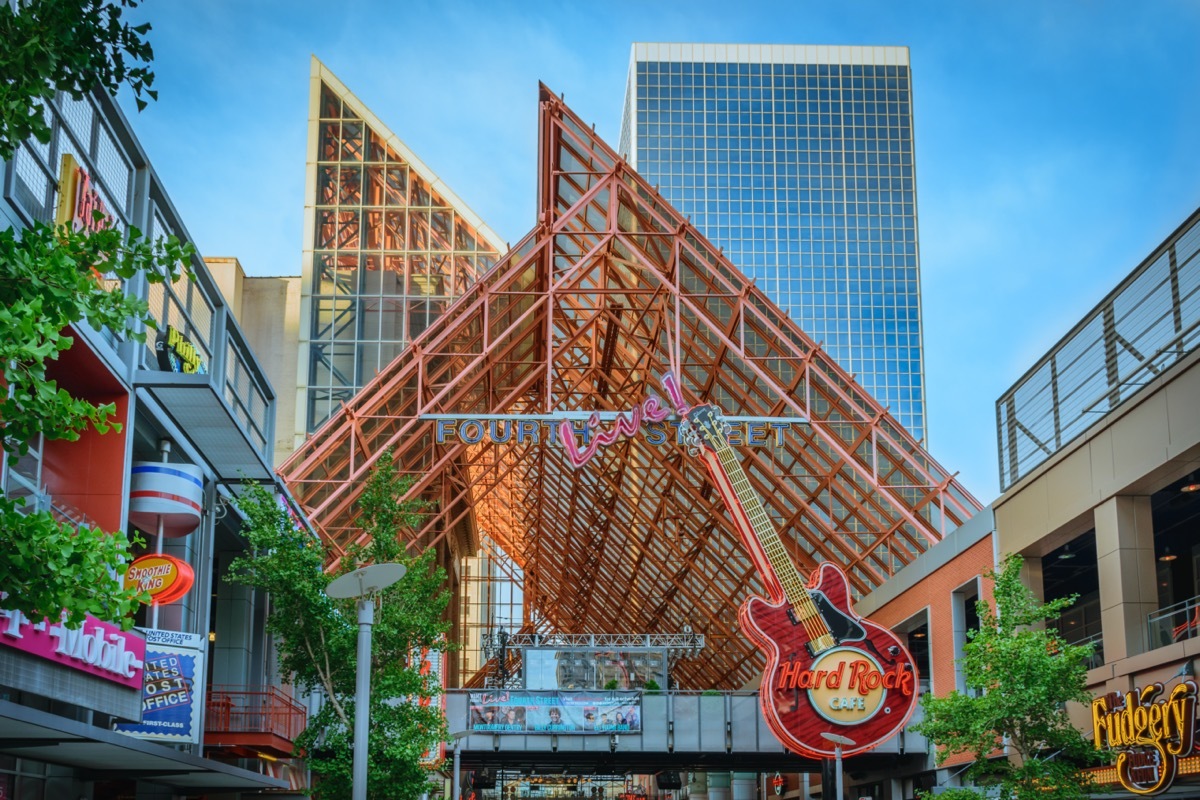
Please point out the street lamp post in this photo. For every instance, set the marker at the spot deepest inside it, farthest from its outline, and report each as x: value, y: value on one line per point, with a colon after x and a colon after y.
x: 838, y: 743
x: 455, y: 779
x: 363, y: 584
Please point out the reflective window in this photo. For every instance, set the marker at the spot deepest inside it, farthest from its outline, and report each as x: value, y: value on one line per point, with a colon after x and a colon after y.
x: 803, y: 174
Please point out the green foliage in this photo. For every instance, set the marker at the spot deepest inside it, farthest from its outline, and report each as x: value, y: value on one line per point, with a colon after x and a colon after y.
x: 48, y: 281
x: 651, y: 686
x: 50, y: 566
x: 710, y: 693
x: 1019, y: 674
x: 317, y: 636
x: 612, y: 684
x: 69, y: 46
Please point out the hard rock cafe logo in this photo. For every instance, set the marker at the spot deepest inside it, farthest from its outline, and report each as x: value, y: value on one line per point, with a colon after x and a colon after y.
x: 79, y: 204
x: 845, y: 685
x: 1149, y: 735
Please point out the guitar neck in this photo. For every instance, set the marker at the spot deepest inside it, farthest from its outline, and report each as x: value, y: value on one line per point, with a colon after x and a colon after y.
x: 772, y: 546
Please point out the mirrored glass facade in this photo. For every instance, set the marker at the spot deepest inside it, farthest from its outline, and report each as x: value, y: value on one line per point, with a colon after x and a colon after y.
x: 391, y: 247
x: 798, y: 162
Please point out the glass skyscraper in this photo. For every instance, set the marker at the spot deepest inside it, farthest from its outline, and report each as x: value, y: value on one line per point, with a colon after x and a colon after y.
x: 798, y: 162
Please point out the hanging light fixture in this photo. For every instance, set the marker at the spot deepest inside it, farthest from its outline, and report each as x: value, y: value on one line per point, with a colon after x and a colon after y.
x: 1190, y: 484
x: 1167, y: 555
x: 1066, y: 553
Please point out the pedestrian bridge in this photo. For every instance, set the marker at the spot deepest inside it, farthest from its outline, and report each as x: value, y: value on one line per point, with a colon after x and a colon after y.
x: 680, y: 731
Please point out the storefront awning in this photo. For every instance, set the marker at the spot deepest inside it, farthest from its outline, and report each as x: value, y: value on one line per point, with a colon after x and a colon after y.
x: 196, y: 406
x: 99, y: 754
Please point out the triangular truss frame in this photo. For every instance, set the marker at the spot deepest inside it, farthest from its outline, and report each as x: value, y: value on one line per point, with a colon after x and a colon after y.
x: 611, y: 290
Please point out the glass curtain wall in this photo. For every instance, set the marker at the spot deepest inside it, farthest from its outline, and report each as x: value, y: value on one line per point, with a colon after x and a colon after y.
x: 798, y: 162
x: 390, y: 252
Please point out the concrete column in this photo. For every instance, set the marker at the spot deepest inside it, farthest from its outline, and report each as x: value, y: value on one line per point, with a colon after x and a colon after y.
x: 1125, y: 563
x: 743, y: 785
x: 718, y: 786
x: 697, y: 785
x: 177, y: 616
x: 1033, y: 577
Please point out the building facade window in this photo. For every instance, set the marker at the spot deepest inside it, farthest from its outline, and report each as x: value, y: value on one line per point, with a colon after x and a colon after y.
x: 802, y: 170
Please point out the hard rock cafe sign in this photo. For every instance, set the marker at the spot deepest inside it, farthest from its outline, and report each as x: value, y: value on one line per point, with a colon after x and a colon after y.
x: 78, y: 200
x: 1149, y: 733
x: 828, y: 669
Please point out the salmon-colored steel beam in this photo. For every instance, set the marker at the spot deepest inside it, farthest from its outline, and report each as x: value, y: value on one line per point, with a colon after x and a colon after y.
x: 611, y: 290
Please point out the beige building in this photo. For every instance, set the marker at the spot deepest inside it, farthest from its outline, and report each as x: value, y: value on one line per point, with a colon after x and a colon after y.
x: 268, y: 309
x: 1100, y: 461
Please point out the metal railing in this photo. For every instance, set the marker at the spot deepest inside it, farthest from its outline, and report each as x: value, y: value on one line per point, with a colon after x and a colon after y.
x: 1096, y: 640
x: 674, y: 721
x: 1145, y: 325
x: 253, y: 709
x: 1174, y: 623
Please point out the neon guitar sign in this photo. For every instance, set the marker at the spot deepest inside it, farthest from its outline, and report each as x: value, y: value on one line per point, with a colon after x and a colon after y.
x: 828, y: 669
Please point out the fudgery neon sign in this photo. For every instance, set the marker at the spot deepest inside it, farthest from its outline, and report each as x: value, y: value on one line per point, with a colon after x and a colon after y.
x: 1150, y: 735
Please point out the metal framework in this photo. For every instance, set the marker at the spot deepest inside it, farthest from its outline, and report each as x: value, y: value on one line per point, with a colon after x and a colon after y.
x: 1145, y: 325
x: 612, y: 289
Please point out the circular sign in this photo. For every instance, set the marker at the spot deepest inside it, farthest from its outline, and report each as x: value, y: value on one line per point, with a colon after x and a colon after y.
x: 777, y: 784
x: 859, y: 692
x: 166, y: 578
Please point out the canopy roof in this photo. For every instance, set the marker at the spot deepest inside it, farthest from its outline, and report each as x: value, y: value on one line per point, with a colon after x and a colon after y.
x: 613, y: 289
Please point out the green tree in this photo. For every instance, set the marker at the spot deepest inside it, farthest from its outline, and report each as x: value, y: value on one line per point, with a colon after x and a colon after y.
x: 317, y: 636
x: 1019, y: 675
x: 48, y: 281
x: 47, y: 46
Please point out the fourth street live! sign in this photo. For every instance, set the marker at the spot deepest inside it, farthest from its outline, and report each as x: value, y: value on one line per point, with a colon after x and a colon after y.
x: 173, y: 688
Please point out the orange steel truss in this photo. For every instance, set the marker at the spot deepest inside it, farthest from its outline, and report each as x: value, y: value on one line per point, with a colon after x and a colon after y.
x: 612, y: 289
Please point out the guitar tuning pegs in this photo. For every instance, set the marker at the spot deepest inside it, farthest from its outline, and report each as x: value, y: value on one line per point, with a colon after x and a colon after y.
x: 690, y: 437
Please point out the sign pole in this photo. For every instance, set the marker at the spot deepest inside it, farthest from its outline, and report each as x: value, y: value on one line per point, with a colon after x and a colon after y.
x: 838, y: 742
x: 363, y: 584
x: 362, y: 696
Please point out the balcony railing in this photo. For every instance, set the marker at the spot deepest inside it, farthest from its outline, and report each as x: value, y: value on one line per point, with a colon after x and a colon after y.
x: 1145, y: 325
x: 254, y: 716
x: 1174, y: 623
x: 1096, y: 640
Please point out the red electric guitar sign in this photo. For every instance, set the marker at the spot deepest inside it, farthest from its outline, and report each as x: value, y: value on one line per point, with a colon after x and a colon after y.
x: 828, y: 669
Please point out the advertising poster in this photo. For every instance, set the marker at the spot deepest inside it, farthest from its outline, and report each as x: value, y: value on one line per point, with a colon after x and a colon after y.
x: 430, y: 665
x: 173, y: 690
x: 528, y: 711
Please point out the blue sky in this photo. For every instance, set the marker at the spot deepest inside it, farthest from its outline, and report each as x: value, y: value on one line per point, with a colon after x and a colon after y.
x: 1057, y: 141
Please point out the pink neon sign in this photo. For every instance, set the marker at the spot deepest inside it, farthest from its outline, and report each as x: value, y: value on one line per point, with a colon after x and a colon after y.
x: 649, y: 410
x: 96, y: 647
